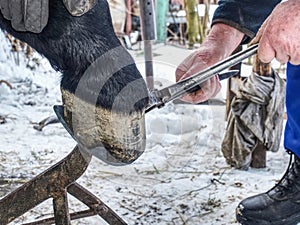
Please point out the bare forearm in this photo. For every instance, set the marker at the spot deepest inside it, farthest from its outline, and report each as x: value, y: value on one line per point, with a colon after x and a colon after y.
x: 224, y: 39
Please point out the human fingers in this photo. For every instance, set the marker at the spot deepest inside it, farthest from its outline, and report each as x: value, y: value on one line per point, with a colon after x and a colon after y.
x: 295, y: 60
x: 184, y: 69
x: 265, y: 51
x: 280, y: 36
x: 209, y: 89
x: 281, y: 55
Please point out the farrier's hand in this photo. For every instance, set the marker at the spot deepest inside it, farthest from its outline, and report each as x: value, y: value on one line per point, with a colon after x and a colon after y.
x: 219, y: 44
x: 279, y: 34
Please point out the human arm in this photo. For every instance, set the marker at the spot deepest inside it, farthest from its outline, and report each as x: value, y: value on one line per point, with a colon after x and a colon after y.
x: 234, y: 22
x: 219, y: 44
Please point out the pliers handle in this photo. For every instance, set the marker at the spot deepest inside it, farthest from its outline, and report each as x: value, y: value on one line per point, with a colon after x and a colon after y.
x: 160, y: 97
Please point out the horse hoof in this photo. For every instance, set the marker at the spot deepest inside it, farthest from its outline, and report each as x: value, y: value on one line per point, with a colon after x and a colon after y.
x: 117, y: 138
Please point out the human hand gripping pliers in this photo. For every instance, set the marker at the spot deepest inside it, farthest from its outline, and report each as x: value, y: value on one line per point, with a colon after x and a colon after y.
x: 159, y: 98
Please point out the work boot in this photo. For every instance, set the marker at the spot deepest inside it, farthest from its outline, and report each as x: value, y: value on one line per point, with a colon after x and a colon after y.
x: 278, y: 206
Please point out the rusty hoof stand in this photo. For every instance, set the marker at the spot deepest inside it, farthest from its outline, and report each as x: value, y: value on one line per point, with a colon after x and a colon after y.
x: 56, y: 182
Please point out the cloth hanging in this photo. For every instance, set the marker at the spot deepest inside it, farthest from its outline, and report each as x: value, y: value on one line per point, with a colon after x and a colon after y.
x: 257, y: 113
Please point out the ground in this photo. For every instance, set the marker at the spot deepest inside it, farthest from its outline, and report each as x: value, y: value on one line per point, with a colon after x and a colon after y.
x: 182, y: 177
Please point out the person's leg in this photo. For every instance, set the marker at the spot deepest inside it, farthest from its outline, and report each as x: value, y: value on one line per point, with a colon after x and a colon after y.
x: 292, y: 129
x: 281, y: 204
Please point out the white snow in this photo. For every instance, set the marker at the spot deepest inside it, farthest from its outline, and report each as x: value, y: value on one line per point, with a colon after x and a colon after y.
x: 182, y: 177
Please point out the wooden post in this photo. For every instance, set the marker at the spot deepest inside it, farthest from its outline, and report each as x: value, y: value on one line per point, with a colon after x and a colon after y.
x: 230, y: 92
x: 203, y: 21
x: 128, y: 17
x: 192, y: 21
x: 259, y: 153
x: 262, y: 69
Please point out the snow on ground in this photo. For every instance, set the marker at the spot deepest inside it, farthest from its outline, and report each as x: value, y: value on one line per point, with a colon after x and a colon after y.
x: 182, y: 177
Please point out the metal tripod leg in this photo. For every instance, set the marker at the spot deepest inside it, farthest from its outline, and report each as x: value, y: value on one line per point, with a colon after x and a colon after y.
x: 54, y: 183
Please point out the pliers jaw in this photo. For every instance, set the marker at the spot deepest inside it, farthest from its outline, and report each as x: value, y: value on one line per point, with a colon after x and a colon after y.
x: 193, y: 83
